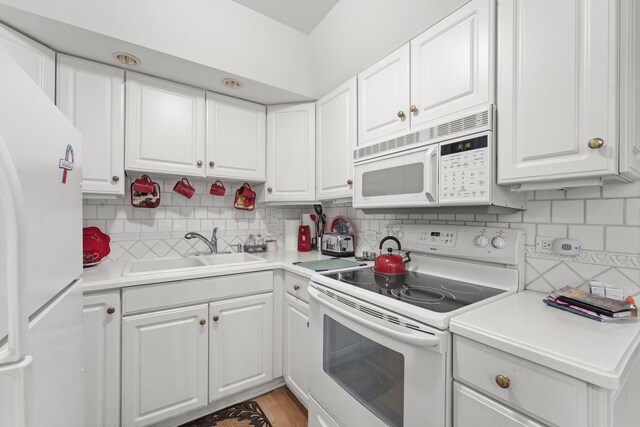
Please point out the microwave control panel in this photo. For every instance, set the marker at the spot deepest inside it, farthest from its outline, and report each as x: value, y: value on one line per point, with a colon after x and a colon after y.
x: 465, y: 172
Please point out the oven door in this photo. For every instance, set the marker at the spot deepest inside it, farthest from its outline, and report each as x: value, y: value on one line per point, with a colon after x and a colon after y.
x: 405, y: 179
x: 367, y: 368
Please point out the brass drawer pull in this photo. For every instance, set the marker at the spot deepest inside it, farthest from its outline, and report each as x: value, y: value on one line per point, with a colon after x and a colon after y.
x: 296, y: 287
x: 503, y: 381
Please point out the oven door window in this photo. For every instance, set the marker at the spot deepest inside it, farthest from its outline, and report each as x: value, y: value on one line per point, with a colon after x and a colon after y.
x: 372, y: 373
x: 405, y: 179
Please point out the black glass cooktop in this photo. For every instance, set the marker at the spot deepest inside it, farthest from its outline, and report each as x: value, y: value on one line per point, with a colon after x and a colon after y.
x: 430, y: 292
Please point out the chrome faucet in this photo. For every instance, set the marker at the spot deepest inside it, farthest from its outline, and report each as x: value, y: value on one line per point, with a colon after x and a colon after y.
x: 211, y: 244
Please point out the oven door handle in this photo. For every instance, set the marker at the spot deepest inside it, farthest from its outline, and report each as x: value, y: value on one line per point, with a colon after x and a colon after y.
x: 423, y: 340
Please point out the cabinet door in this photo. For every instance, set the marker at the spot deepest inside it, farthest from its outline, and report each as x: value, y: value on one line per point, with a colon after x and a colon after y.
x: 91, y: 95
x: 336, y: 138
x: 236, y: 138
x: 101, y: 340
x: 556, y: 90
x: 38, y: 61
x: 164, y: 364
x: 452, y: 64
x: 240, y: 344
x: 383, y: 97
x: 165, y: 126
x: 290, y: 153
x: 296, y: 347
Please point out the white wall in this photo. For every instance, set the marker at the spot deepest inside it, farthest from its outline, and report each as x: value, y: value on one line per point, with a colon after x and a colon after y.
x: 220, y: 34
x: 357, y: 33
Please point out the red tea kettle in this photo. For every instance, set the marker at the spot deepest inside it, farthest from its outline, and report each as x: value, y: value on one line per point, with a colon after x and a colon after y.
x: 390, y: 263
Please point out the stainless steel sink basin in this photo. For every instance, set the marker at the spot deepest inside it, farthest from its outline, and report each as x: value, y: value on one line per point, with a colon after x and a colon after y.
x: 165, y: 265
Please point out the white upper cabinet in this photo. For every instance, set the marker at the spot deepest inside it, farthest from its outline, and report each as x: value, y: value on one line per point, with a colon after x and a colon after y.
x: 336, y: 138
x: 165, y: 127
x: 557, y: 97
x: 236, y: 138
x: 452, y: 64
x: 290, y: 153
x: 91, y: 95
x: 383, y: 97
x: 38, y: 61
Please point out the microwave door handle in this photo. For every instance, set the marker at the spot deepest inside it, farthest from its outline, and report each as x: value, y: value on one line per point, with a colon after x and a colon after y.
x: 413, y: 338
x: 431, y: 173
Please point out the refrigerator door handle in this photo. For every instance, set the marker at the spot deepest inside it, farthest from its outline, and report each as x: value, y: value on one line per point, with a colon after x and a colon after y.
x: 13, y: 210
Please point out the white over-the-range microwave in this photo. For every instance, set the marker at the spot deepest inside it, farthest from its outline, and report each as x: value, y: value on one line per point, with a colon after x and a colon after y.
x: 451, y: 165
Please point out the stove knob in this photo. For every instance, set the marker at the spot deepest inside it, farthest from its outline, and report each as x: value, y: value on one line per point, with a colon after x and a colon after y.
x: 499, y: 242
x: 481, y: 241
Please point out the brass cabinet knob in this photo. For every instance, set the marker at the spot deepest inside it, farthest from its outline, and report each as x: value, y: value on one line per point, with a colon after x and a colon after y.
x: 203, y: 322
x: 199, y: 163
x: 349, y: 182
x: 216, y: 318
x: 270, y: 190
x: 115, y: 178
x: 111, y: 310
x: 595, y: 143
x: 296, y: 287
x: 401, y: 114
x: 503, y: 381
x: 212, y: 163
x: 414, y: 109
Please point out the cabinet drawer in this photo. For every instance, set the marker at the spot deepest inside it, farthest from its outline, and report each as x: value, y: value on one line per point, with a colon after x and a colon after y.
x: 471, y: 409
x: 297, y: 286
x: 529, y: 384
x: 174, y: 294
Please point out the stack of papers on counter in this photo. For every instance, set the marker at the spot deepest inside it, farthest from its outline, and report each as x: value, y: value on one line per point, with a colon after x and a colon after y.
x: 588, y: 305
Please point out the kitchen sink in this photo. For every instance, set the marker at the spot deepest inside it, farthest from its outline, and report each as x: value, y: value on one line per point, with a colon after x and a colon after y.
x: 164, y: 265
x: 225, y: 260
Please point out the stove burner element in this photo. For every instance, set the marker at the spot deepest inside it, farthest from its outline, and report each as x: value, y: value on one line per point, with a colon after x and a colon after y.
x: 419, y: 295
x: 461, y: 288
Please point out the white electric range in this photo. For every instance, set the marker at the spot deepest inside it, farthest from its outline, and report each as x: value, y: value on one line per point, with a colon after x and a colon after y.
x: 380, y: 351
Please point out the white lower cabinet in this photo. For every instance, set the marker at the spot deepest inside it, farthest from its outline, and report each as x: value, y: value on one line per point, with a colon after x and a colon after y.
x: 510, y: 386
x: 101, y: 339
x: 472, y: 409
x: 296, y: 347
x: 164, y: 364
x: 240, y: 344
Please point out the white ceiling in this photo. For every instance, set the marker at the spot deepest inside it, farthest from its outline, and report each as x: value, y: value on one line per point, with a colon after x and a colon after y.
x: 302, y: 15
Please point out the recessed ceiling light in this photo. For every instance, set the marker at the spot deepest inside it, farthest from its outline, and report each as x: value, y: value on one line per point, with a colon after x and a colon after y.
x: 126, y: 58
x: 232, y: 83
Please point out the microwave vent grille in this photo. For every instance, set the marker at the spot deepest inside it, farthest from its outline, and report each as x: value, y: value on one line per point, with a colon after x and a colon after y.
x: 464, y: 124
x: 371, y: 311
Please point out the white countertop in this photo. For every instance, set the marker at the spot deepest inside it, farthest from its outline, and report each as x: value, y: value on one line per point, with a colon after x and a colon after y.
x: 107, y: 276
x: 522, y: 325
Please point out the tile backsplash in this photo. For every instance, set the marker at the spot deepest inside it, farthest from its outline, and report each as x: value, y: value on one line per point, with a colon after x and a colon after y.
x: 605, y: 219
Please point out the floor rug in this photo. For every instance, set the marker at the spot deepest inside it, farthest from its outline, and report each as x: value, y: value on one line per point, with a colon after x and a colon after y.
x: 245, y: 414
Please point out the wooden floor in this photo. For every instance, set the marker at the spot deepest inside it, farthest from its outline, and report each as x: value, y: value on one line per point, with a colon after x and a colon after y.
x: 282, y: 408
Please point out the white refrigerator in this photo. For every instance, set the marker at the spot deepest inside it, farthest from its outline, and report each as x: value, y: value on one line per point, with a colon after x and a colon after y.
x: 41, y: 362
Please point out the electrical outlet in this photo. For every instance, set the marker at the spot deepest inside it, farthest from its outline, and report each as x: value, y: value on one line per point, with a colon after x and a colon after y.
x: 544, y: 244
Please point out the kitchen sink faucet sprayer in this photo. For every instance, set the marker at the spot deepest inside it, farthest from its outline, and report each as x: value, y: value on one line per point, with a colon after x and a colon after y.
x: 211, y: 244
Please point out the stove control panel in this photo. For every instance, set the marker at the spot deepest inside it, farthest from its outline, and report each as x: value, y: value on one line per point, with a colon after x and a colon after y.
x: 437, y: 238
